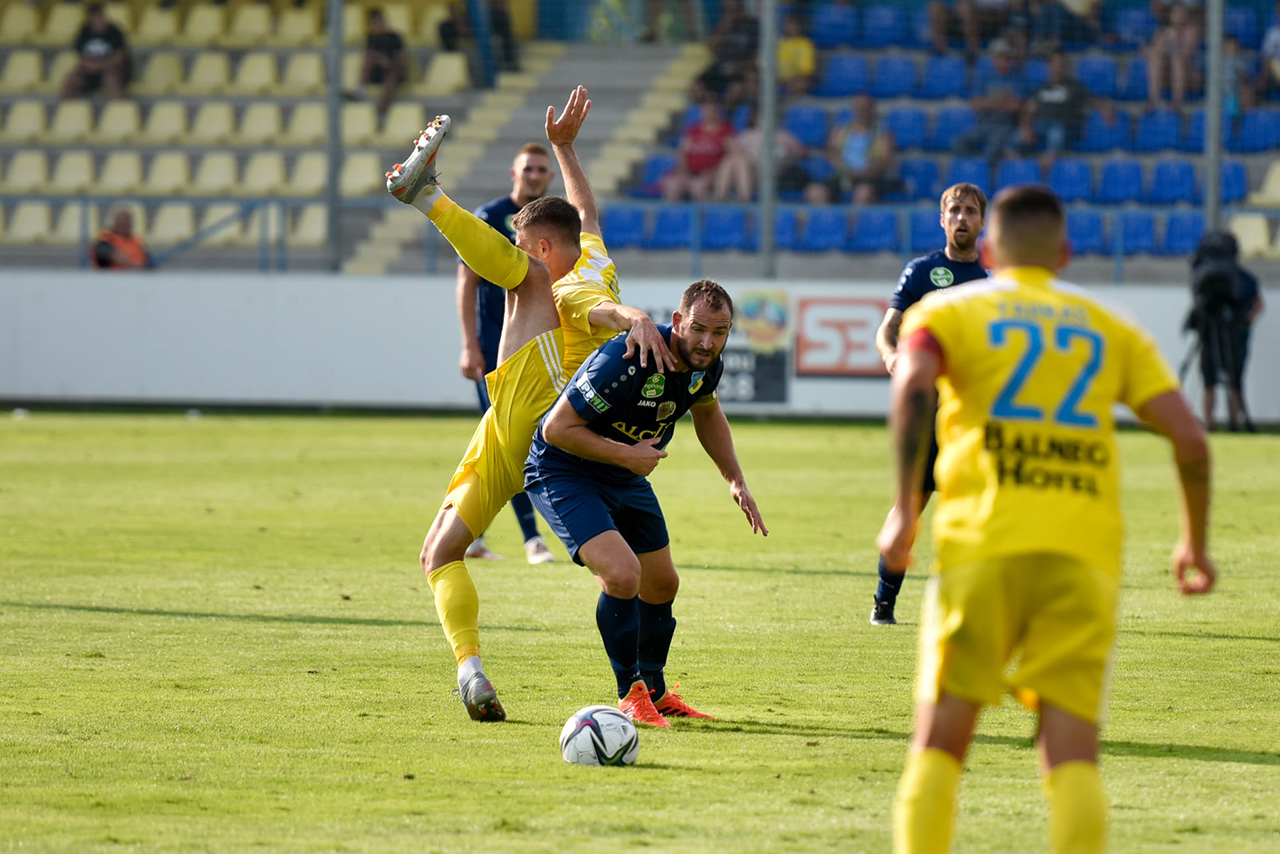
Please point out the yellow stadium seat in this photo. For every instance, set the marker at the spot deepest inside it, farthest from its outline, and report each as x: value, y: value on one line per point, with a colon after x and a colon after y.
x: 429, y: 20
x: 30, y: 223
x: 19, y: 24
x: 298, y: 27
x: 251, y: 25
x: 1268, y: 195
x: 63, y: 64
x: 169, y: 174
x: 162, y: 75
x: 213, y: 124
x: 303, y: 74
x: 1, y: 221
x: 252, y: 235
x: 263, y: 174
x: 307, y: 125
x: 71, y: 228
x: 61, y: 25
x: 260, y: 124
x: 398, y: 18
x: 217, y: 175
x: 23, y: 72
x: 256, y: 74
x: 1252, y: 233
x: 73, y: 175
x: 353, y: 24
x: 28, y: 172
x: 359, y: 124
x: 119, y: 14
x: 229, y: 221
x: 156, y: 27
x: 448, y: 73
x: 166, y: 123
x: 310, y: 227
x: 120, y: 121
x: 72, y: 122
x: 351, y: 62
x: 210, y: 74
x: 309, y: 176
x: 25, y: 122
x: 404, y: 122
x: 362, y: 174
x: 121, y: 174
x: 205, y: 24
x: 172, y: 223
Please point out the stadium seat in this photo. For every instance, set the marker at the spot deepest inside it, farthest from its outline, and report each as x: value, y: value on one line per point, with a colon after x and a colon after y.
x: 1268, y: 195
x: 920, y: 28
x: 76, y: 224
x: 1235, y: 182
x: 61, y: 24
x: 1084, y: 230
x: 362, y: 174
x: 1158, y: 130
x: 119, y: 122
x: 883, y: 24
x: 155, y: 27
x: 72, y: 122
x: 166, y: 123
x: 161, y: 75
x: 1132, y: 85
x: 1242, y: 23
x: 926, y: 231
x: 303, y: 74
x: 307, y: 125
x: 1183, y: 230
x: 1172, y: 181
x: 261, y: 124
x: 1192, y: 141
x: 807, y: 124
x: 650, y: 184
x: 825, y: 229
x: 623, y: 226
x: 251, y: 25
x: 724, y: 227
x: 25, y: 122
x: 399, y: 16
x: 1120, y: 181
x: 28, y: 172
x: 1252, y: 233
x: 73, y: 175
x: 403, y: 123
x: 672, y: 227
x: 168, y: 174
x: 1138, y: 230
x: 834, y: 24
x: 909, y: 125
x: 943, y: 77
x: 210, y: 73
x: 217, y: 175
x: 843, y: 74
x: 298, y: 27
x: 817, y: 168
x: 970, y: 170
x: 1017, y: 170
x: 204, y: 26
x: 30, y: 223
x: 64, y: 62
x: 351, y: 62
x: 949, y: 123
x: 353, y: 24
x: 1098, y: 75
x: 309, y: 177
x: 895, y: 76
x: 19, y: 24
x: 228, y: 221
x: 172, y: 223
x: 1259, y: 131
x: 1101, y: 135
x: 429, y: 20
x: 256, y: 74
x: 214, y: 124
x: 446, y: 74
x: 1134, y: 26
x: 1071, y: 178
x: 263, y: 174
x: 310, y: 227
x: 786, y: 231
x: 23, y: 72
x: 876, y: 230
x: 121, y: 174
x: 359, y: 124
x: 920, y: 177
x: 1035, y: 72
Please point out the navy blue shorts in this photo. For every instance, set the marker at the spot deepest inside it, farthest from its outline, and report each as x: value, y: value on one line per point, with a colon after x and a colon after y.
x: 579, y: 507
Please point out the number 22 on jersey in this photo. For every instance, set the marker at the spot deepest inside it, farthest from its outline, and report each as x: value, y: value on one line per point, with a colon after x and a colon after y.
x: 1063, y: 337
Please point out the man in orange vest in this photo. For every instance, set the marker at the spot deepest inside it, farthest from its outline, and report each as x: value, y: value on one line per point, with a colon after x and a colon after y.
x: 118, y: 248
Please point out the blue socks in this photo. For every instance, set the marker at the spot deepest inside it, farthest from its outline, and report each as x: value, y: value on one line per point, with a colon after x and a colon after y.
x: 525, y: 515
x: 619, y: 623
x: 890, y: 583
x: 657, y: 627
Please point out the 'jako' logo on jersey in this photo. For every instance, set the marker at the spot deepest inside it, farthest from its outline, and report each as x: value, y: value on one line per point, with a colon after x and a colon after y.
x: 653, y: 386
x: 941, y: 277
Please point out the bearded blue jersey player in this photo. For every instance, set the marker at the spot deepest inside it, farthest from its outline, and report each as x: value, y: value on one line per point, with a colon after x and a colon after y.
x: 963, y: 211
x: 587, y: 475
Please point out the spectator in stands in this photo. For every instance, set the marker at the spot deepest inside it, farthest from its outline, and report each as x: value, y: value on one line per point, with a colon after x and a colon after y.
x: 384, y: 61
x: 454, y: 28
x: 1238, y: 93
x: 104, y: 58
x: 974, y: 21
x: 1169, y: 55
x: 655, y: 11
x: 1073, y: 22
x: 734, y: 42
x: 117, y: 247
x: 457, y: 27
x: 998, y: 95
x: 702, y: 147
x: 1268, y: 79
x: 797, y: 58
x: 1053, y: 116
x: 864, y: 159
x: 737, y: 173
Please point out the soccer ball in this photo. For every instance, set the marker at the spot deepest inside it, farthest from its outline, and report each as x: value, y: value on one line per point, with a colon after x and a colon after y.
x: 599, y: 735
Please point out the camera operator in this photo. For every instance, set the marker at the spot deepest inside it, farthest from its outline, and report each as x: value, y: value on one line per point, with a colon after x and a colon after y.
x: 1226, y: 302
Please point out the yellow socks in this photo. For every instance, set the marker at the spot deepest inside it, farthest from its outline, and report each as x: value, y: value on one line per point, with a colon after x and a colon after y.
x: 458, y: 606
x: 1077, y: 808
x: 481, y: 247
x: 924, y: 811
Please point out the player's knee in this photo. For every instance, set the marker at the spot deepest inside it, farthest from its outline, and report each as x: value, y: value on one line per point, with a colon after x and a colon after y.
x: 620, y: 581
x: 663, y: 588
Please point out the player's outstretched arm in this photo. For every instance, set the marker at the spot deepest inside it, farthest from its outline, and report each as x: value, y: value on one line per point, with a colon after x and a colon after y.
x: 712, y: 427
x: 1169, y: 414
x: 911, y: 406
x: 561, y: 132
x: 568, y: 431
x: 642, y: 333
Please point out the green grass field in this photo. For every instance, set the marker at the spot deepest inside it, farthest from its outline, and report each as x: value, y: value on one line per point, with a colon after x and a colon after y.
x: 214, y: 635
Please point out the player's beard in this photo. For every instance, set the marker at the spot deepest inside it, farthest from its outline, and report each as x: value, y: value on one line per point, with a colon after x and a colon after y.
x: 964, y: 243
x: 698, y: 360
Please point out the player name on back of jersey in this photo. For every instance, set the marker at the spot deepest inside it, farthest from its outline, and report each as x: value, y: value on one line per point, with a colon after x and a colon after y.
x: 1038, y: 461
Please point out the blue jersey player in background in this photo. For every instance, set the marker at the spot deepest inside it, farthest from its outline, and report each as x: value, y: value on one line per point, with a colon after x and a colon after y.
x: 480, y: 309
x: 964, y: 208
x: 587, y: 473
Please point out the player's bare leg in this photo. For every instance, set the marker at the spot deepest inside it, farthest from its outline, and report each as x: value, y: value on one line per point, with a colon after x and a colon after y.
x: 924, y: 810
x: 1077, y: 801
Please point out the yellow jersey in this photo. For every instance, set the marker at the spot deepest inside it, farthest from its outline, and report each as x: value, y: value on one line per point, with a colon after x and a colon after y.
x: 1032, y: 367
x: 593, y: 280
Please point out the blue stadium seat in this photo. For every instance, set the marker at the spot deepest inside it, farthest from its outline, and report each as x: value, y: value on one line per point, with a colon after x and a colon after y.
x: 815, y: 169
x: 883, y: 25
x: 741, y: 117
x: 970, y: 170
x: 1193, y: 140
x: 875, y: 231
x: 1134, y: 27
x: 1138, y: 229
x: 1157, y: 130
x: 1084, y: 230
x: 650, y: 186
x: 1259, y: 131
x: 921, y: 33
x: 920, y: 177
x: 926, y: 231
x: 1018, y: 170
x: 1235, y: 181
x: 943, y: 77
x: 1071, y: 178
x: 1132, y: 85
x: 1036, y: 72
x: 786, y: 231
x: 908, y: 125
x: 949, y: 123
x: 825, y: 229
x: 1119, y: 182
x: 1098, y: 74
x: 1242, y: 22
x: 1173, y: 181
x: 623, y: 226
x: 692, y: 113
x: 1182, y: 231
x: 724, y: 227
x: 895, y: 76
x: 672, y: 227
x: 808, y: 124
x: 834, y: 24
x: 1101, y: 135
x: 843, y: 74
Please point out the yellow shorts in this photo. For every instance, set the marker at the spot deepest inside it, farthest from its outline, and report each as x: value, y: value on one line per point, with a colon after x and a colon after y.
x: 1040, y: 625
x: 522, y: 389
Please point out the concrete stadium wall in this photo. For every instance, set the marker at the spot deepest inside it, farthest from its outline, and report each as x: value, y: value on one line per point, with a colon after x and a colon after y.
x: 799, y: 348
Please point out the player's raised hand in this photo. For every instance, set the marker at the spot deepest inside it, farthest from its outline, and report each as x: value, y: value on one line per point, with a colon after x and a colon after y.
x: 645, y: 339
x: 1203, y: 576
x: 644, y: 456
x: 564, y: 130
x: 742, y: 496
x: 896, y: 539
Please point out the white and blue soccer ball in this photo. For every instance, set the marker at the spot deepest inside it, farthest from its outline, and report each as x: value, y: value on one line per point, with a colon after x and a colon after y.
x: 599, y: 735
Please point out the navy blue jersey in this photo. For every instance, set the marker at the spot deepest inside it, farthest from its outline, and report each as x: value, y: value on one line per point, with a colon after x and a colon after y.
x: 622, y: 401
x: 1247, y: 294
x: 491, y: 300
x: 929, y: 273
